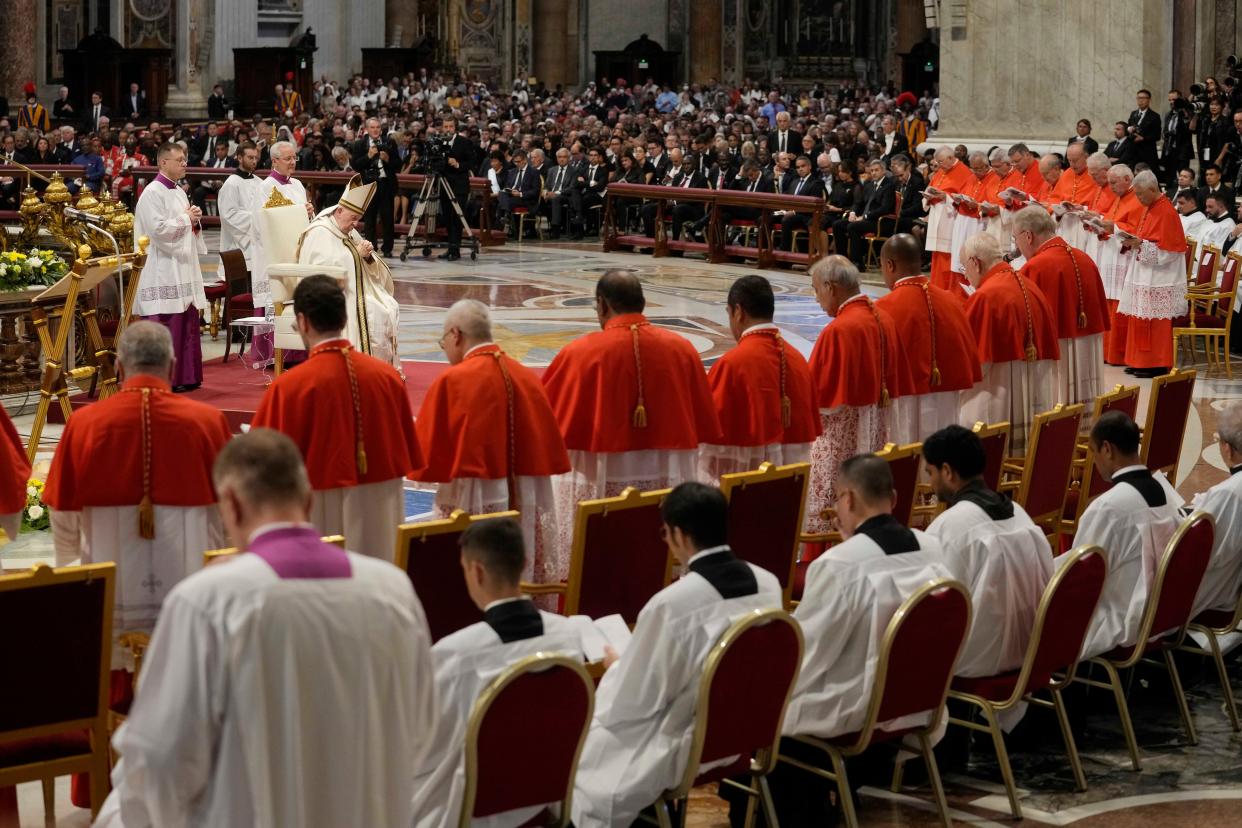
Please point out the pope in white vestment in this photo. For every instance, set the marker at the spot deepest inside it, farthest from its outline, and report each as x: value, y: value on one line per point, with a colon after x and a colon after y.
x: 331, y: 239
x: 289, y: 686
x: 465, y: 663
x: 170, y: 290
x: 640, y: 737
x: 1133, y: 535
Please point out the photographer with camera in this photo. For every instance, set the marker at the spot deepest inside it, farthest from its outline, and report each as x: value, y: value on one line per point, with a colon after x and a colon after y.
x: 375, y: 158
x: 1177, y: 149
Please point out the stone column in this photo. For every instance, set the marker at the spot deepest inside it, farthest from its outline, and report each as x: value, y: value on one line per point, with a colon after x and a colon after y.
x: 704, y: 41
x: 1030, y: 76
x: 18, y: 57
x: 523, y: 57
x: 1184, y: 38
x: 186, y: 97
x: 552, y: 45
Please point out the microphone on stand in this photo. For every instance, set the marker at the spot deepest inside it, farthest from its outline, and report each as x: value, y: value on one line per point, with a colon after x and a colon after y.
x: 81, y: 215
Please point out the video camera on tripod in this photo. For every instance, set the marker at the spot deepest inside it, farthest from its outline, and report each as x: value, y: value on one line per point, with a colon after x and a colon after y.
x: 434, y: 156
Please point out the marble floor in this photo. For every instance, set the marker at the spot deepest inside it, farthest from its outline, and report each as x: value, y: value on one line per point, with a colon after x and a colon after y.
x: 541, y: 296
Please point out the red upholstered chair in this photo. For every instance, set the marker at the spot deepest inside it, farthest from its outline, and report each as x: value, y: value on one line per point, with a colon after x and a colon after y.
x: 539, y: 710
x: 54, y: 717
x: 917, y: 656
x: 747, y: 681
x: 1061, y: 624
x: 1167, y: 411
x: 1040, y: 480
x: 236, y: 299
x: 766, y: 509
x: 619, y: 561
x: 1210, y: 311
x: 1165, y: 619
x: 1205, y: 266
x: 995, y: 439
x: 430, y: 555
x: 906, y: 464
x: 1123, y: 398
x: 1190, y: 258
x: 1213, y: 624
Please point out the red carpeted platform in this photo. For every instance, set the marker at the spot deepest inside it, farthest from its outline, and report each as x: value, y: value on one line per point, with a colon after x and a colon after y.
x: 236, y: 390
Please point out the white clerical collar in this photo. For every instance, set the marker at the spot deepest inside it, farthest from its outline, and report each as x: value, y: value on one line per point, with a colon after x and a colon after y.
x: 477, y: 347
x: 276, y: 527
x: 711, y: 550
x: 1128, y: 469
x: 760, y: 326
x: 500, y: 601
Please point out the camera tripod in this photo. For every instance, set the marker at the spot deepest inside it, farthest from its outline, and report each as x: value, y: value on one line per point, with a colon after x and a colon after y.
x: 435, y: 183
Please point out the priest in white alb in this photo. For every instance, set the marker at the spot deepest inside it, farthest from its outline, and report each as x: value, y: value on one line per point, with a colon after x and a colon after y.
x: 1132, y: 522
x: 333, y: 239
x: 288, y: 685
x: 992, y: 546
x: 170, y: 290
x: 235, y: 201
x: 1218, y: 208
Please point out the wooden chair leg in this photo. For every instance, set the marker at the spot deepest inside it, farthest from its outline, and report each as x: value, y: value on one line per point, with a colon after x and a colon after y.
x: 49, y: 801
x: 1182, y: 707
x: 1067, y: 734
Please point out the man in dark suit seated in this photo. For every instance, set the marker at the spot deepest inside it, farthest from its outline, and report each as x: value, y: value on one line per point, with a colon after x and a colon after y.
x: 910, y: 184
x: 1214, y: 186
x: 593, y: 180
x: 521, y: 189
x: 723, y: 174
x: 879, y: 199
x: 750, y: 180
x: 686, y: 176
x: 801, y: 183
x: 563, y: 198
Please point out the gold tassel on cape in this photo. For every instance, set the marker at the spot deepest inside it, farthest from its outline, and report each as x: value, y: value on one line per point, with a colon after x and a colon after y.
x: 362, y: 458
x: 640, y: 411
x: 1031, y: 354
x: 146, y: 519
x: 935, y: 375
x: 640, y: 416
x: 884, y: 398
x: 1082, y: 319
x: 786, y: 411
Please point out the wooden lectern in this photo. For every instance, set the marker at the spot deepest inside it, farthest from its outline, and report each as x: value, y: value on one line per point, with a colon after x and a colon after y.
x: 60, y: 302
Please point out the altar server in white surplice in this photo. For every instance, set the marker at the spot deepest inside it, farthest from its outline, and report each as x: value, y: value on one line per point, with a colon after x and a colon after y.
x: 332, y: 239
x: 993, y: 547
x: 492, y: 557
x: 1133, y: 522
x: 170, y: 290
x: 1222, y: 583
x: 640, y: 737
x: 290, y: 685
x: 236, y: 200
x: 851, y: 594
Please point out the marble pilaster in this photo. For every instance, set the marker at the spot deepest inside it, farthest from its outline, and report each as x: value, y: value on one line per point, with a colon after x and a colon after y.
x: 704, y: 40
x: 1032, y: 75
x: 551, y: 62
x: 17, y: 56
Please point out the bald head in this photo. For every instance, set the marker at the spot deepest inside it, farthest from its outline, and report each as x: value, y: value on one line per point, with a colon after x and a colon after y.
x: 901, y: 256
x: 1050, y: 168
x: 618, y: 292
x: 1077, y: 157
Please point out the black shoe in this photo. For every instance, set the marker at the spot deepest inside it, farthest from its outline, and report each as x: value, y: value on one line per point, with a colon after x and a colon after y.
x: 182, y: 389
x: 449, y: 255
x: 1130, y: 370
x: 1149, y: 373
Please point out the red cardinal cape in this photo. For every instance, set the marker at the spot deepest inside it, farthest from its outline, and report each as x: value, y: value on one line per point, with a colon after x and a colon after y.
x: 1032, y: 181
x: 349, y: 414
x: 1102, y: 200
x: 763, y: 392
x: 631, y: 387
x: 1126, y: 211
x: 1011, y: 319
x: 1161, y: 224
x: 1070, y: 282
x: 14, y: 468
x: 935, y: 340
x: 467, y: 427
x: 977, y: 188
x: 856, y: 360
x: 101, y: 457
x: 1079, y: 188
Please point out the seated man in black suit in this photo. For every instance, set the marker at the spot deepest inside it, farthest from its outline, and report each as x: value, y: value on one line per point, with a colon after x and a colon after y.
x: 689, y: 178
x: 563, y: 198
x: 593, y: 179
x: 802, y: 183
x: 521, y: 188
x: 910, y: 184
x: 1212, y: 176
x: 750, y: 180
x: 879, y: 199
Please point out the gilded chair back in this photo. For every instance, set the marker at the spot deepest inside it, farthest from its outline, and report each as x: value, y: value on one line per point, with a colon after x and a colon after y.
x: 995, y: 440
x: 919, y: 650
x: 58, y: 708
x: 1167, y: 410
x: 748, y: 678
x: 619, y: 561
x: 429, y: 554
x: 905, y: 463
x: 766, y: 509
x: 540, y: 709
x: 1190, y: 257
x: 1049, y: 462
x: 1123, y: 398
